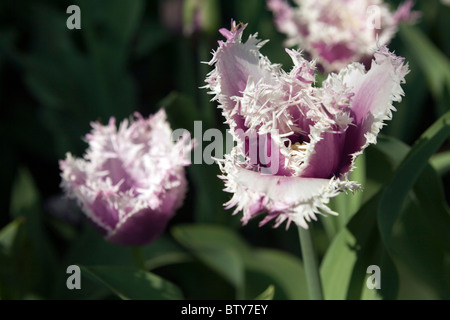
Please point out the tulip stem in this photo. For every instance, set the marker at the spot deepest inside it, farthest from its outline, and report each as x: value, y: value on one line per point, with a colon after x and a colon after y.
x: 310, y: 263
x: 138, y: 257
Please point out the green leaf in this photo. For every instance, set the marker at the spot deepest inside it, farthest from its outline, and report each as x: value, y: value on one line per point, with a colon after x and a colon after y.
x: 413, y: 219
x: 151, y: 35
x: 89, y: 248
x: 434, y: 63
x: 343, y: 268
x: 206, y: 10
x: 210, y: 16
x: 132, y: 284
x: 441, y: 162
x: 358, y: 245
x: 407, y: 122
x: 372, y: 171
x: 355, y: 248
x: 225, y: 252
x: 12, y: 283
x: 8, y: 235
x: 75, y: 87
x: 164, y: 251
x: 38, y: 250
x: 217, y: 247
x: 283, y: 269
x: 181, y: 111
x: 108, y: 27
x: 267, y: 294
x: 420, y: 244
x: 210, y: 209
x: 409, y: 170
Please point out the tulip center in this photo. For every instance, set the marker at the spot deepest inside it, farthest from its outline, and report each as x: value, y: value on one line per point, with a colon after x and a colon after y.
x: 118, y: 174
x: 299, y: 147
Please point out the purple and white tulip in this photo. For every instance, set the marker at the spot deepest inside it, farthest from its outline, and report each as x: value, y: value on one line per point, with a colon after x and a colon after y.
x: 336, y: 33
x: 307, y: 137
x: 131, y: 180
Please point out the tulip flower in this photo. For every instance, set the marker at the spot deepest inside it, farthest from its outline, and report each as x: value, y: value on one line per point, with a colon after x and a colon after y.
x: 131, y: 180
x: 336, y: 33
x: 306, y: 137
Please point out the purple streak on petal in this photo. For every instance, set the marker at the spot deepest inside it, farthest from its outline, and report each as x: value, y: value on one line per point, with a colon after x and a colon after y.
x: 141, y: 228
x: 227, y: 33
x: 103, y: 211
x: 325, y: 161
x: 235, y: 67
x: 373, y: 90
x: 354, y: 142
x: 335, y: 52
x: 298, y: 114
x: 117, y: 173
x: 235, y: 62
x: 173, y: 199
x: 374, y: 93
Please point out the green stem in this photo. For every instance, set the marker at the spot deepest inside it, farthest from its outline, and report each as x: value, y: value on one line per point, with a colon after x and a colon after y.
x: 310, y: 263
x: 138, y: 257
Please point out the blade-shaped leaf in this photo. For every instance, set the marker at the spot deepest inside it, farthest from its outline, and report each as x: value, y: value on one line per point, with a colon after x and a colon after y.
x: 434, y: 63
x: 8, y: 234
x: 39, y: 250
x: 267, y: 294
x: 91, y: 249
x: 224, y: 251
x: 420, y: 243
x: 132, y: 284
x: 285, y: 270
x: 409, y: 170
x: 354, y: 249
x: 357, y: 246
x: 441, y: 162
x: 217, y: 247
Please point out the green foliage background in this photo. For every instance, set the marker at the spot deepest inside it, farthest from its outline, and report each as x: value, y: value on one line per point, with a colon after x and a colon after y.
x: 55, y: 81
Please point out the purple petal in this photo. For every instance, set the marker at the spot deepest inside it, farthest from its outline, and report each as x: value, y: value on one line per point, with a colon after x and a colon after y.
x: 371, y: 104
x: 285, y: 20
x: 235, y: 63
x: 263, y: 152
x: 404, y: 13
x: 288, y: 199
x: 336, y: 33
x: 141, y: 228
x: 106, y: 216
x: 335, y: 52
x: 326, y: 159
x: 131, y: 180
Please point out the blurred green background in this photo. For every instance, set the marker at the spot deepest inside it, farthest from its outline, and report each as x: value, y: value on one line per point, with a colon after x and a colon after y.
x: 143, y: 55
